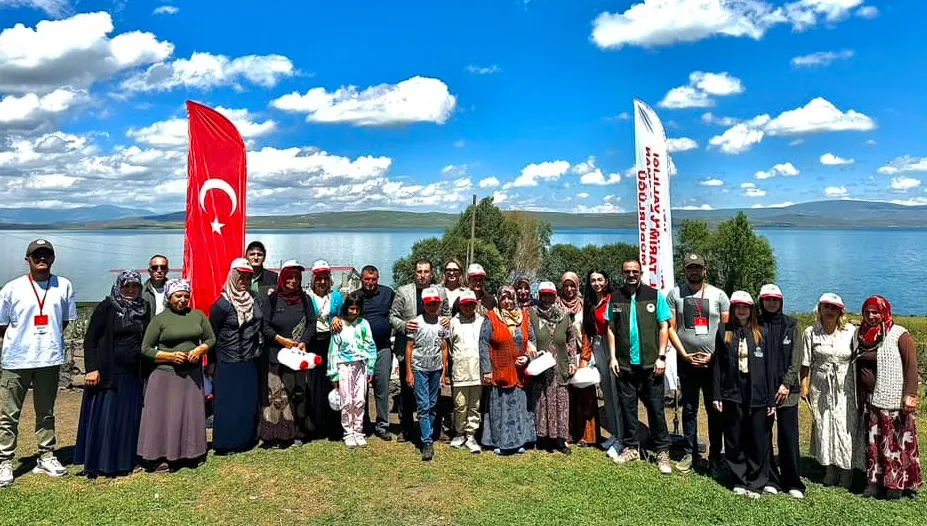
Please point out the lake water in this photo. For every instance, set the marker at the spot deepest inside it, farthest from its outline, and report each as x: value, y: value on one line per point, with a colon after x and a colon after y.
x: 853, y: 263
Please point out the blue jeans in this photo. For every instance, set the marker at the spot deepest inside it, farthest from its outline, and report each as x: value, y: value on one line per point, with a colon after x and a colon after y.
x: 427, y: 389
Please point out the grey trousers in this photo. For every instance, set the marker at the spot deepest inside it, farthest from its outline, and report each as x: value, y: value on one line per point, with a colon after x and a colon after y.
x: 13, y: 387
x: 381, y: 371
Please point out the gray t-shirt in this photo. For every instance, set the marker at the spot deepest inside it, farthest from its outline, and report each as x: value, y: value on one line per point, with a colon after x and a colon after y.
x: 689, y: 305
x: 426, y: 345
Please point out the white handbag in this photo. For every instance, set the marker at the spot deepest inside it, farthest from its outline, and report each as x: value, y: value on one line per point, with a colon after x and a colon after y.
x: 539, y: 365
x: 585, y: 377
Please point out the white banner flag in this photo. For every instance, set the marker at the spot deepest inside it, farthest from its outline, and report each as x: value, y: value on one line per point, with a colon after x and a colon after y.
x: 654, y: 220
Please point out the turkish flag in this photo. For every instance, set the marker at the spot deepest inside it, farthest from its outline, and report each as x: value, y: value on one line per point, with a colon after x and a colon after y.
x: 216, y: 191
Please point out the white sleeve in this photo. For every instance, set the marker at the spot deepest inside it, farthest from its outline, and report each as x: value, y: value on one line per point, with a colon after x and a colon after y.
x: 5, y: 306
x: 72, y: 305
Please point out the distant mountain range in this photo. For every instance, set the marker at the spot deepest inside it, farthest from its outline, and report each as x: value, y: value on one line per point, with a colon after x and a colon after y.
x: 819, y: 214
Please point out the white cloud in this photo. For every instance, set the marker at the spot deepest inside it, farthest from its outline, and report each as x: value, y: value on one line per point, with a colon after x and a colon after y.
x: 418, y: 99
x: 499, y: 197
x: 903, y: 183
x: 203, y: 71
x: 702, y: 86
x: 711, y: 182
x: 818, y: 116
x: 582, y: 195
x: 829, y: 159
x: 30, y: 111
x: 654, y: 23
x: 460, y: 144
x: 836, y: 191
x: 591, y: 175
x: 783, y: 204
x: 750, y: 190
x: 55, y: 8
x: 173, y: 132
x: 489, y: 182
x: 867, y: 11
x: 821, y: 58
x: 796, y: 142
x: 903, y: 164
x: 75, y: 52
x: 165, y: 10
x: 696, y: 207
x: 913, y: 201
x: 783, y: 169
x: 546, y: 171
x: 623, y: 116
x: 481, y: 70
x: 681, y: 144
x: 709, y: 118
x: 455, y: 170
x: 870, y: 142
x: 607, y: 207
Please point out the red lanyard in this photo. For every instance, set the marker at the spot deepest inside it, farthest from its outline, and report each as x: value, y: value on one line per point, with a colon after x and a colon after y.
x: 41, y: 302
x: 698, y: 304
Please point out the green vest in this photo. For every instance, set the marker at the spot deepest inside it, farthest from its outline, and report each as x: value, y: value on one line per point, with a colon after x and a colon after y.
x: 648, y: 329
x: 557, y: 343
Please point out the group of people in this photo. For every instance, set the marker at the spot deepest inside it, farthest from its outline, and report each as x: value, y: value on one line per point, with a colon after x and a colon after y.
x: 522, y: 370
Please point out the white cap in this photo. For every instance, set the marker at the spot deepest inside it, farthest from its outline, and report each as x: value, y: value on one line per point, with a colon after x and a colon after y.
x: 292, y: 263
x: 770, y: 291
x: 741, y: 297
x: 321, y: 266
x: 547, y: 286
x: 831, y: 299
x: 241, y: 265
x: 475, y: 269
x: 468, y: 296
x: 430, y: 295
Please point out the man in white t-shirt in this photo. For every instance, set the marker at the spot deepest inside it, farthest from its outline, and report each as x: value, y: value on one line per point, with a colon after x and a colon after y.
x: 34, y: 311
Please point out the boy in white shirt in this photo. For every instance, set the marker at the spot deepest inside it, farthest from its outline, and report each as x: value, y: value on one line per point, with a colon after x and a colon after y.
x: 465, y: 371
x: 34, y: 311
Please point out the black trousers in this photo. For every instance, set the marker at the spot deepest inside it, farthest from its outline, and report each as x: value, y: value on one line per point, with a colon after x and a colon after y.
x: 642, y: 384
x: 407, y: 404
x: 695, y: 381
x: 785, y: 475
x: 747, y: 440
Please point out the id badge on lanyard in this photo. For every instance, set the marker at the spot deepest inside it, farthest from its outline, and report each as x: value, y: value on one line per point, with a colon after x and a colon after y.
x: 701, y: 322
x: 40, y: 320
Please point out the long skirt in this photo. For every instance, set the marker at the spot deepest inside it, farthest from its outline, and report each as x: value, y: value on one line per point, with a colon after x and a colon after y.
x: 235, y: 406
x: 284, y: 415
x: 324, y: 422
x: 173, y: 425
x: 107, y: 433
x: 892, y: 459
x: 584, y: 416
x: 551, y: 406
x: 509, y: 423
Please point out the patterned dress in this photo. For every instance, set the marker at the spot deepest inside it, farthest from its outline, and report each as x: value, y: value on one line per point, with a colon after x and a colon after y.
x: 550, y: 394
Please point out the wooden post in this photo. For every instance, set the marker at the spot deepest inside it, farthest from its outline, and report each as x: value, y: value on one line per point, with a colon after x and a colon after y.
x: 472, y: 233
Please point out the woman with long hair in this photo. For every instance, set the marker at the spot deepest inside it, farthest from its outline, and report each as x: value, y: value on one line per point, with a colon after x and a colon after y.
x: 744, y: 395
x: 886, y: 368
x: 828, y: 384
x: 596, y: 298
x: 454, y: 280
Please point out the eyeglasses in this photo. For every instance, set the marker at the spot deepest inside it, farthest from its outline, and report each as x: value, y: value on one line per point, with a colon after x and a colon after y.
x: 452, y: 271
x: 631, y: 272
x: 157, y: 267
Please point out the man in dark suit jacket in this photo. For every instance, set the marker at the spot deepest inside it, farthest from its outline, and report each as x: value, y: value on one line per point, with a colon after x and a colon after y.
x: 263, y: 279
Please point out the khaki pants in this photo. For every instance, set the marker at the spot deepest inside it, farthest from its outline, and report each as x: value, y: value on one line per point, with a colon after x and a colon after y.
x: 13, y: 387
x: 467, y: 409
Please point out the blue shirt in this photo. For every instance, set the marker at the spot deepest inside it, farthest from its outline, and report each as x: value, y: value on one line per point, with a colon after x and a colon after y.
x: 376, y: 312
x: 663, y: 314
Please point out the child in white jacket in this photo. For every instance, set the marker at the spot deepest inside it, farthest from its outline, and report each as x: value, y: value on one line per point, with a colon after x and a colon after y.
x: 465, y: 372
x: 352, y: 354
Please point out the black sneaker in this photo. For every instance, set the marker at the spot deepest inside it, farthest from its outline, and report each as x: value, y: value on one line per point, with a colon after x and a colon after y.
x: 384, y: 434
x: 428, y: 452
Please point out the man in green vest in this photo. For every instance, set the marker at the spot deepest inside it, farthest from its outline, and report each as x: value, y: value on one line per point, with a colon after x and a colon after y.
x: 638, y: 334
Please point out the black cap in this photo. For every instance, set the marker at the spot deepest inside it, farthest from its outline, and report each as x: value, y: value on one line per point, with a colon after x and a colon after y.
x: 693, y: 259
x: 37, y: 244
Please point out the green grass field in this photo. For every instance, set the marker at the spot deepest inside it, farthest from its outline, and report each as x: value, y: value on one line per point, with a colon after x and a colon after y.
x: 387, y: 484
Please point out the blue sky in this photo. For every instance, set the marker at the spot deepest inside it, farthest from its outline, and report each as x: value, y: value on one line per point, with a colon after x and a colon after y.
x: 362, y: 105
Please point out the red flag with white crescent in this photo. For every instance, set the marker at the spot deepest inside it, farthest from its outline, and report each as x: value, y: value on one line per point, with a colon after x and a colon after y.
x: 216, y: 191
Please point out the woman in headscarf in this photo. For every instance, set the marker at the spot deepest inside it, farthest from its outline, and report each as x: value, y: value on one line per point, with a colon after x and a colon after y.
x: 522, y: 291
x: 597, y: 296
x: 237, y: 319
x: 584, y: 402
x: 553, y: 329
x: 289, y: 321
x: 324, y: 421
x: 507, y: 342
x: 828, y: 384
x: 173, y: 427
x: 107, y: 434
x: 886, y: 368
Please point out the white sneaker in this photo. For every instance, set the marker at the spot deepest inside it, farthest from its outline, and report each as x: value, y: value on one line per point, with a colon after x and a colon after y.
x: 50, y: 466
x: 350, y: 441
x: 612, y: 453
x: 740, y: 491
x: 753, y: 494
x: 360, y: 440
x: 472, y: 445
x: 458, y: 441
x: 6, y: 473
x: 771, y: 490
x: 796, y: 494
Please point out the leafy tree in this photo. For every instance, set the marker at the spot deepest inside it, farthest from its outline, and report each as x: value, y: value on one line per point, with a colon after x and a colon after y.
x: 562, y: 258
x: 531, y: 244
x: 737, y: 258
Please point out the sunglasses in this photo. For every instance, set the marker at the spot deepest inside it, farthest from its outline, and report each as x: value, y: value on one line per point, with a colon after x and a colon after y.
x: 157, y: 267
x: 40, y: 256
x: 452, y: 271
x: 631, y: 272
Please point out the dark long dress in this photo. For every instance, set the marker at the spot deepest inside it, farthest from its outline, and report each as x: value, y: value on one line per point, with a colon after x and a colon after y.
x: 324, y: 422
x: 107, y: 433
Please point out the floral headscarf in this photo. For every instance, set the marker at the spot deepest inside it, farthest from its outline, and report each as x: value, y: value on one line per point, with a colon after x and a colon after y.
x: 130, y: 310
x: 173, y: 286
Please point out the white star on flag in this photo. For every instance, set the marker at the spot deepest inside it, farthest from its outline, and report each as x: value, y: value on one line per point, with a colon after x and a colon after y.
x: 216, y: 226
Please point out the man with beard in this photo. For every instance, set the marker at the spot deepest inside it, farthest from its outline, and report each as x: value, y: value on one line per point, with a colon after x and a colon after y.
x: 700, y: 309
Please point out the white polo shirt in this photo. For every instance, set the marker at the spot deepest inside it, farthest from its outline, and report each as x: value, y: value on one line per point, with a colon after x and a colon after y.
x: 27, y: 345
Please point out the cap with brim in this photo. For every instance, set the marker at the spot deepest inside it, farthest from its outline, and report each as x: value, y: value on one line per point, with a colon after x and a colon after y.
x: 547, y: 286
x: 475, y: 269
x: 467, y: 296
x: 292, y: 263
x: 694, y: 259
x: 770, y: 291
x: 431, y: 295
x: 829, y: 298
x: 741, y: 297
x: 241, y: 265
x: 321, y: 266
x: 37, y: 244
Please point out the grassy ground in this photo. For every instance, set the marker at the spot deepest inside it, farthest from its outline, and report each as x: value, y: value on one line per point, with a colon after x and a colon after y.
x: 386, y: 484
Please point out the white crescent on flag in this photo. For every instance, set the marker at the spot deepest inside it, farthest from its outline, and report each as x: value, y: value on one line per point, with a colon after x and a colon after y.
x: 224, y: 187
